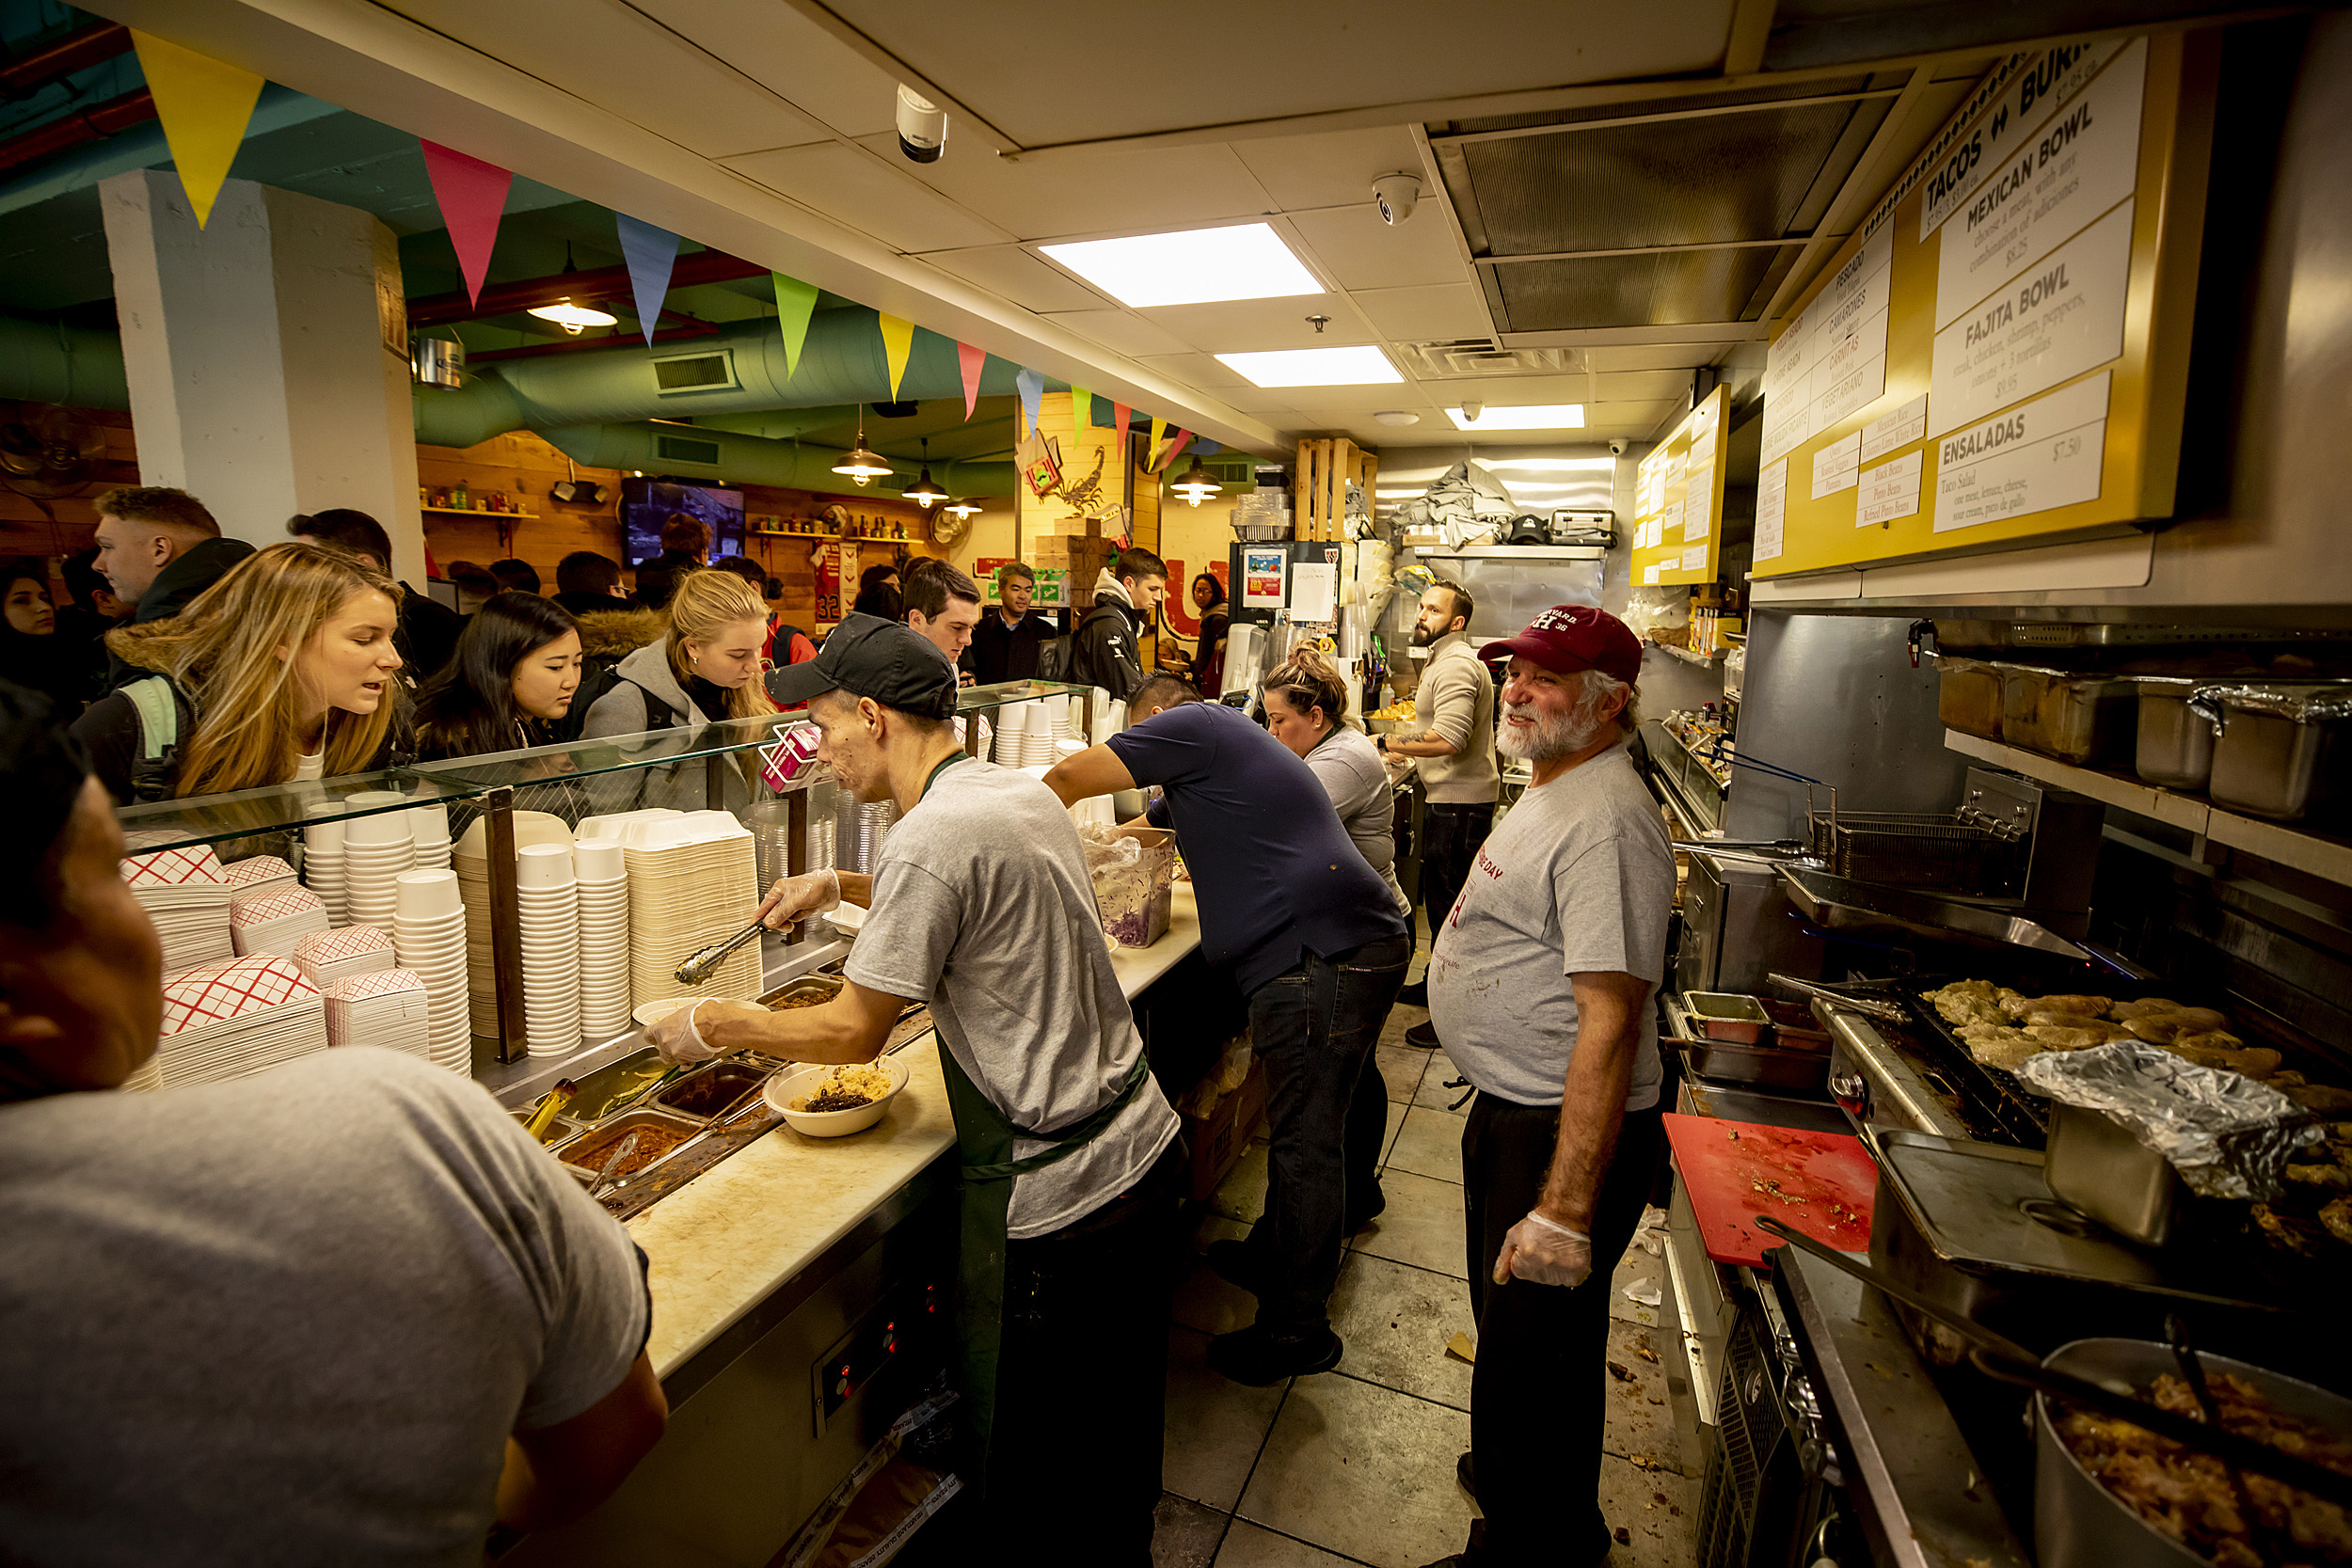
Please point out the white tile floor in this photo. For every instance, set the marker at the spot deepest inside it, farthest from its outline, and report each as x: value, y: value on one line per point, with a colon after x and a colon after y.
x: 1356, y: 1465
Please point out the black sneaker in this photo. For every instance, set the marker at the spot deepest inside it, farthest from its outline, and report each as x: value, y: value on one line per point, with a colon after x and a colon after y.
x: 1235, y: 1262
x: 1422, y: 1037
x: 1254, y: 1356
x: 1358, y: 1219
x: 1465, y: 1475
x: 1414, y: 995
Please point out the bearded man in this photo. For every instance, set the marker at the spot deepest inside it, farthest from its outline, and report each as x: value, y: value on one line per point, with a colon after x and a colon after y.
x: 1539, y: 985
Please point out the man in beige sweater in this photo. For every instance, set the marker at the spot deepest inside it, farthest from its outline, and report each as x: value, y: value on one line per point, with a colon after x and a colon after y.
x: 1455, y: 754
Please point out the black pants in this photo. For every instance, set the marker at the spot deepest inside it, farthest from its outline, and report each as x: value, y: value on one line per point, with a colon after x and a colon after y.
x: 1083, y: 1375
x: 1450, y: 837
x: 1538, y: 1390
x: 1314, y: 1027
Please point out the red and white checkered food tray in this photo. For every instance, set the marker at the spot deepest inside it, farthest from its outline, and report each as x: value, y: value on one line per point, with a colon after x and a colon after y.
x: 213, y: 994
x: 255, y: 872
x: 363, y: 988
x: 269, y: 909
x: 188, y: 868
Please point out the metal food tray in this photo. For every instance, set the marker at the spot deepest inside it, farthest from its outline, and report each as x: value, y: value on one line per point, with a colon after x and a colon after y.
x: 1907, y: 849
x: 1766, y: 1067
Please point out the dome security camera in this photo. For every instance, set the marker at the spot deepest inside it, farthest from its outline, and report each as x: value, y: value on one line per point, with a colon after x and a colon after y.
x: 1396, y: 194
x: 1471, y: 410
x: 1617, y: 448
x: 922, y: 126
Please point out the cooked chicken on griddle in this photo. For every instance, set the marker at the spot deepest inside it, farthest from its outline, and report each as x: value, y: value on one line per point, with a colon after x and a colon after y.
x: 2324, y: 1098
x: 2337, y: 1217
x: 2145, y: 1006
x: 1966, y: 1002
x: 2059, y: 1036
x: 1997, y: 1045
x: 2330, y: 1175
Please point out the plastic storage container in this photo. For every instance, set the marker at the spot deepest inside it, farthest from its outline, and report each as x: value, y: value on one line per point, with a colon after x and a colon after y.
x: 2278, y: 750
x: 2086, y: 720
x: 1968, y: 695
x: 2175, y: 748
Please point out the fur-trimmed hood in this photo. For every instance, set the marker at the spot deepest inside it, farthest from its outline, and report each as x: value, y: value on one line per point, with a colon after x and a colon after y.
x: 614, y: 632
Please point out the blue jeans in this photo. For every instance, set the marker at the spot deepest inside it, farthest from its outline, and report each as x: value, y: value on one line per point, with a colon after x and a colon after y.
x: 1314, y: 1027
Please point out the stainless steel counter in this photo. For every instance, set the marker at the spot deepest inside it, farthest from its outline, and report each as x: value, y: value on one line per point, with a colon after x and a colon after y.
x: 1910, y: 1477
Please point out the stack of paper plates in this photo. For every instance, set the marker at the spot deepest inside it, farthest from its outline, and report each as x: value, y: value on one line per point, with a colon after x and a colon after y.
x: 187, y: 895
x: 227, y: 1020
x: 387, y: 1008
x: 329, y: 956
x: 692, y: 881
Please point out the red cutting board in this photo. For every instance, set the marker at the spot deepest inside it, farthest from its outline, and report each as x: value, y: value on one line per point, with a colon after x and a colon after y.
x: 1821, y: 1184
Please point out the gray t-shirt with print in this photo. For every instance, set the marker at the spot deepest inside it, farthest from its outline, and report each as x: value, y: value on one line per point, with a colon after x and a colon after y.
x: 292, y: 1318
x: 1578, y: 878
x: 983, y: 906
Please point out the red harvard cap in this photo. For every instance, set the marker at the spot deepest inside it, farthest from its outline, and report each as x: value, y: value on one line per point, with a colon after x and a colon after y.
x: 1571, y: 636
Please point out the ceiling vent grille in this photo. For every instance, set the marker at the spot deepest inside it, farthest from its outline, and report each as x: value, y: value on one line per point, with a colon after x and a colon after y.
x: 680, y: 449
x: 1460, y: 358
x: 695, y: 372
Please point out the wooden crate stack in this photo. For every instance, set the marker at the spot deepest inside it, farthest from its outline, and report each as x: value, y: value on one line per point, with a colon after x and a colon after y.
x: 1319, y: 482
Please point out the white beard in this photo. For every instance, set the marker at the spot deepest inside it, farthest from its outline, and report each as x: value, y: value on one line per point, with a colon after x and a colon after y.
x: 1547, y: 738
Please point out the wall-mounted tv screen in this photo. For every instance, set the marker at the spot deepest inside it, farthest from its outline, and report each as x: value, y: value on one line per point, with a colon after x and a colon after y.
x: 648, y: 505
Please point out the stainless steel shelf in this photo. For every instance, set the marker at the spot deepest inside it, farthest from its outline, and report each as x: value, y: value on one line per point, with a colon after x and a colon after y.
x: 2314, y: 854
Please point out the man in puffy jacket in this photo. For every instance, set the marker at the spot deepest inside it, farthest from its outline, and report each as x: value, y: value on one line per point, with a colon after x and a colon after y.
x: 158, y: 548
x: 1105, y: 650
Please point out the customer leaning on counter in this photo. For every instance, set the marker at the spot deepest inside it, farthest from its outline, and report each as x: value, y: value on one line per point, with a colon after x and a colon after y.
x: 1316, y: 945
x: 283, y: 671
x: 509, y: 685
x: 1071, y: 1165
x: 344, y: 1311
x: 1539, y: 984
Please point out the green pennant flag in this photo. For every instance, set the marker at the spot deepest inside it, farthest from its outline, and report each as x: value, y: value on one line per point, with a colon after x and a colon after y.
x: 1081, y: 412
x: 796, y: 302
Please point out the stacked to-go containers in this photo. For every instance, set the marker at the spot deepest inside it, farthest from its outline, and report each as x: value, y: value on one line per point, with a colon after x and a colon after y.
x: 548, y: 895
x: 429, y: 936
x: 602, y: 868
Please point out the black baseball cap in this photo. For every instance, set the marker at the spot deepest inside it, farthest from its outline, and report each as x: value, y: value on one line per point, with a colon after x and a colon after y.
x: 869, y: 657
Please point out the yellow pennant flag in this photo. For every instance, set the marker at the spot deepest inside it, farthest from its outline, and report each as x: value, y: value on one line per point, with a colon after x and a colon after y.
x: 1159, y: 434
x: 898, y: 343
x: 1081, y: 412
x: 204, y: 104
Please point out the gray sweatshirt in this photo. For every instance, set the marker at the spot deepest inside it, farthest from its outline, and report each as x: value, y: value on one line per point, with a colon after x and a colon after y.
x: 1456, y: 701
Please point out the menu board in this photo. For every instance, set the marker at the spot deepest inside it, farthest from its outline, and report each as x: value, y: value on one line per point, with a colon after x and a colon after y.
x: 1997, y: 355
x: 1678, y: 499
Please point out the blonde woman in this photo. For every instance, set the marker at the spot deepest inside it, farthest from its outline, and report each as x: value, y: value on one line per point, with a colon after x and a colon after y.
x: 281, y: 671
x: 707, y: 666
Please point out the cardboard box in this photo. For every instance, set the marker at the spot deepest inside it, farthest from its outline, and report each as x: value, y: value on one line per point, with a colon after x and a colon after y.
x: 1220, y: 1139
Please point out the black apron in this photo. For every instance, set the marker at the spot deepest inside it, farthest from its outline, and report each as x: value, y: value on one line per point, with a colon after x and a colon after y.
x: 984, y: 1142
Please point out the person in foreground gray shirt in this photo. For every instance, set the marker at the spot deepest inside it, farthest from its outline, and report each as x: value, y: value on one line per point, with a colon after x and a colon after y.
x: 344, y: 1311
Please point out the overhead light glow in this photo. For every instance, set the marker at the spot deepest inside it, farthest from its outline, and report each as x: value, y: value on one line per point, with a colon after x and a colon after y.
x: 1194, y: 266
x: 1397, y: 417
x: 963, y: 509
x: 1361, y: 366
x: 1198, y: 484
x: 1537, y: 416
x: 861, y: 463
x: 571, y: 318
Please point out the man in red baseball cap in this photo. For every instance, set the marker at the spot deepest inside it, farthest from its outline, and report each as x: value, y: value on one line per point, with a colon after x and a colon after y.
x: 1539, y: 987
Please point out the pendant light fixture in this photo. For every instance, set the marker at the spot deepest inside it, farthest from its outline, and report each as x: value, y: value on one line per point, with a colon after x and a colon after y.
x: 963, y: 509
x: 569, y: 314
x: 923, y: 493
x: 1196, y: 485
x: 860, y: 462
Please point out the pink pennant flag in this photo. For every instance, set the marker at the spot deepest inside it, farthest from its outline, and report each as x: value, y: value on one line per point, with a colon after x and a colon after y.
x: 472, y: 195
x: 1119, y: 425
x: 971, y: 361
x: 1184, y: 438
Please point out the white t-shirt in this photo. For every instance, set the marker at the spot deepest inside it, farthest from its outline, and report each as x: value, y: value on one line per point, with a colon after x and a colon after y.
x: 983, y: 906
x: 1578, y: 878
x: 290, y: 1320
x: 309, y: 766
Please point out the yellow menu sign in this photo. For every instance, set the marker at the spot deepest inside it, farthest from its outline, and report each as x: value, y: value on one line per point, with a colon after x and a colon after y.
x: 1999, y: 354
x: 1678, y: 499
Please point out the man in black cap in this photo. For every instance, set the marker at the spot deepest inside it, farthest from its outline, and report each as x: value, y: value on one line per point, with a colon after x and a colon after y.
x: 983, y: 906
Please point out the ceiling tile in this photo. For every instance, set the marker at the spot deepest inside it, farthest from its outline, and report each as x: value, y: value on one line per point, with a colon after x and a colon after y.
x: 1122, y: 330
x: 1359, y: 251
x: 1262, y: 400
x: 1019, y: 276
x: 1428, y: 310
x: 791, y: 56
x: 1656, y: 356
x: 1248, y: 326
x: 1331, y: 167
x: 855, y: 189
x: 607, y: 53
x: 1346, y: 402
x: 1091, y: 192
x: 1194, y: 370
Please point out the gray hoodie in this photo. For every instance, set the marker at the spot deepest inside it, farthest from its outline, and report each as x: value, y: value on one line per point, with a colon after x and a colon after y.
x: 622, y: 710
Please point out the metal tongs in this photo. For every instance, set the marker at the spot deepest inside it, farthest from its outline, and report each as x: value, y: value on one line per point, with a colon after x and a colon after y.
x: 2001, y: 1357
x: 1866, y: 1006
x: 703, y: 965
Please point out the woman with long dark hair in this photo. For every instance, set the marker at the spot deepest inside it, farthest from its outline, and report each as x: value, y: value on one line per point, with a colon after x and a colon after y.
x: 1208, y: 661
x: 31, y: 652
x: 509, y: 685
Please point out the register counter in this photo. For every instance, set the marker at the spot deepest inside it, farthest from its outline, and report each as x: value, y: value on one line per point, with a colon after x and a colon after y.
x: 802, y: 1290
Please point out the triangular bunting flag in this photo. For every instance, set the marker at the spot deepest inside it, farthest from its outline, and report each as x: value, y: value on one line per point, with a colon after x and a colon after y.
x: 972, y: 361
x: 897, y: 336
x: 1119, y: 424
x: 472, y: 195
x: 1081, y: 411
x: 1159, y: 434
x: 796, y: 302
x: 1031, y: 386
x: 1174, y: 447
x: 204, y: 104
x: 650, y: 251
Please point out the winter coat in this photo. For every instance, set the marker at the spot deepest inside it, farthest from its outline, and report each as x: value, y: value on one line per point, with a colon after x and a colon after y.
x: 173, y: 587
x: 1104, y: 651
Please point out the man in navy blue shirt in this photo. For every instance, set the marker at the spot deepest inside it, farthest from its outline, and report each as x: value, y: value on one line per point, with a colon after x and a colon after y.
x: 1315, y: 943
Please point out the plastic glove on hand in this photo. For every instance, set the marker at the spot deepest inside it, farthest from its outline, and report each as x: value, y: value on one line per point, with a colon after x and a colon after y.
x: 680, y: 1040
x: 1545, y: 1252
x: 793, y: 898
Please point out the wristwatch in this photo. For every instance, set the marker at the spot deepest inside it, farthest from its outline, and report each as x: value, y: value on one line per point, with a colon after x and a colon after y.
x: 1380, y: 743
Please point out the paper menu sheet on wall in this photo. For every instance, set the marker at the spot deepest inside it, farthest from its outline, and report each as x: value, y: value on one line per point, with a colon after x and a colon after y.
x: 1772, y: 511
x: 1697, y: 514
x: 1834, y: 465
x: 1316, y: 590
x: 1695, y: 558
x: 1892, y: 431
x: 1889, y: 491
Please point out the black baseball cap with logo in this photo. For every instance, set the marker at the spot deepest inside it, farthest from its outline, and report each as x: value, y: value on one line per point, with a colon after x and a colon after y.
x: 869, y: 657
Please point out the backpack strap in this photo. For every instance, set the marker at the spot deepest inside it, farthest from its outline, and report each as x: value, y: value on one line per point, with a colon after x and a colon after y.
x: 158, y: 707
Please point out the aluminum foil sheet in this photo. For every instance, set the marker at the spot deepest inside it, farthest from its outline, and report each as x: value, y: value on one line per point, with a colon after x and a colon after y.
x: 2228, y: 1135
x: 2302, y: 702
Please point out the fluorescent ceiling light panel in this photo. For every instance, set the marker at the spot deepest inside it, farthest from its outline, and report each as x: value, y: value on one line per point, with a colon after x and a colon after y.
x: 1361, y: 366
x: 1540, y: 416
x: 1194, y: 266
